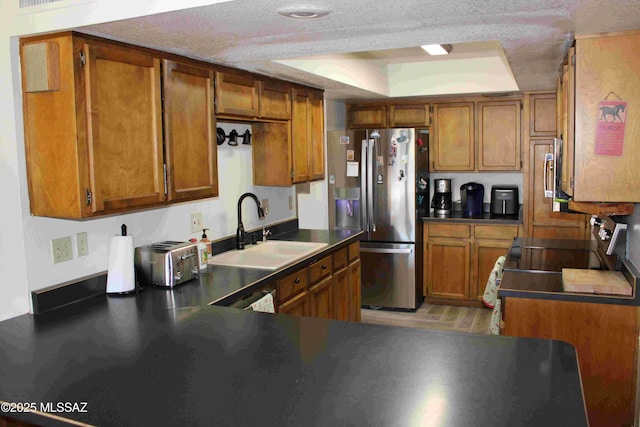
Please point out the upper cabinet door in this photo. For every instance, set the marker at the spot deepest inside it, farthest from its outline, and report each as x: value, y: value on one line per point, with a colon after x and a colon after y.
x: 367, y: 116
x: 453, y: 142
x: 409, y: 115
x: 275, y: 100
x: 124, y: 114
x: 236, y: 94
x: 542, y: 114
x: 499, y: 135
x: 316, y: 148
x: 300, y: 134
x: 189, y: 132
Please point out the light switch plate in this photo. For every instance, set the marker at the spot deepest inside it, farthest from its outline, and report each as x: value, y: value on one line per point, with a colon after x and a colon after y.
x: 196, y: 222
x: 61, y: 249
x: 82, y: 244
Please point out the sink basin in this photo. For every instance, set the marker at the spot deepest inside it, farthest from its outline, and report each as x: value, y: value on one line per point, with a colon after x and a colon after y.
x: 269, y: 255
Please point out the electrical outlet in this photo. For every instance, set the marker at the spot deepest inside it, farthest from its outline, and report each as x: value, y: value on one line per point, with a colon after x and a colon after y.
x: 82, y: 244
x: 196, y: 222
x: 290, y: 202
x: 265, y: 206
x: 61, y: 249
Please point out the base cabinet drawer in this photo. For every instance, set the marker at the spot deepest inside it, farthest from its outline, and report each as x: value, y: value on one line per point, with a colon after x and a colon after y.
x: 328, y: 287
x: 292, y: 284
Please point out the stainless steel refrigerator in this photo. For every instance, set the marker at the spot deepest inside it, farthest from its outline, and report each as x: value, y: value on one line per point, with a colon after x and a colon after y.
x: 378, y: 182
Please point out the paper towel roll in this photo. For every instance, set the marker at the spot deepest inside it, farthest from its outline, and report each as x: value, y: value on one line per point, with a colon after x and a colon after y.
x: 120, y: 273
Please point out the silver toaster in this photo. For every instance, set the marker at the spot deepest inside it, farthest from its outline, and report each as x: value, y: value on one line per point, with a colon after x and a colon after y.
x: 167, y: 263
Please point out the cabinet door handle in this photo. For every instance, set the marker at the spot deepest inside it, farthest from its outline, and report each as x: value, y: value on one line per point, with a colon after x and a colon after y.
x: 296, y: 281
x: 324, y: 266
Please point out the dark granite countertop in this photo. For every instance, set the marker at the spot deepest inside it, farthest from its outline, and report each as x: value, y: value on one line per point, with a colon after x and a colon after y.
x: 538, y: 273
x: 139, y: 365
x: 222, y: 285
x: 486, y: 218
x: 166, y: 357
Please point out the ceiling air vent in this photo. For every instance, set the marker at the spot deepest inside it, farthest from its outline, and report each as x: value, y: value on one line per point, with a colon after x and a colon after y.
x: 29, y: 3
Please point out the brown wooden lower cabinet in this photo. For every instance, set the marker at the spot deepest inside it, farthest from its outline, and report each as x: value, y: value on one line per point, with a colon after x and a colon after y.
x: 321, y: 299
x: 458, y: 259
x: 296, y: 306
x: 355, y: 295
x: 327, y: 288
x: 606, y: 339
x: 448, y: 268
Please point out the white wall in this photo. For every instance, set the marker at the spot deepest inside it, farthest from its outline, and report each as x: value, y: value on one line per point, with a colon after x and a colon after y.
x: 487, y: 179
x: 25, y: 259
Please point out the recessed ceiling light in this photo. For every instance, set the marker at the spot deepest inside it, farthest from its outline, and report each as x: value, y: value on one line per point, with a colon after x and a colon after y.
x: 437, y: 49
x: 303, y: 12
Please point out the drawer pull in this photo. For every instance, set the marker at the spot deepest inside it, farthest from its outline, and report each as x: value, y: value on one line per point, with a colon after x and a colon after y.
x: 296, y: 281
x: 324, y: 266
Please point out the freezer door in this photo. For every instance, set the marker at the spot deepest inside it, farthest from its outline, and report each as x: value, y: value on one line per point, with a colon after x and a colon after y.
x: 392, y: 215
x: 388, y: 275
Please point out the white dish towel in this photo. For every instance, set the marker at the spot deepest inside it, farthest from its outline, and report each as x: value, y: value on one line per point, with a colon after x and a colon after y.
x: 264, y: 304
x: 491, y: 290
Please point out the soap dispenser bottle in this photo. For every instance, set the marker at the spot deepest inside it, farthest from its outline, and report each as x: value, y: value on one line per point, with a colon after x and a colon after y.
x: 203, y: 250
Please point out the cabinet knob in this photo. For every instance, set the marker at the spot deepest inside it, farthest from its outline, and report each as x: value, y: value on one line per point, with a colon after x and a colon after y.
x: 324, y: 266
x: 296, y: 281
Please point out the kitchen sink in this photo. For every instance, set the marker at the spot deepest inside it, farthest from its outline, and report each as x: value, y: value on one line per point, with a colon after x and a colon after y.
x: 269, y: 255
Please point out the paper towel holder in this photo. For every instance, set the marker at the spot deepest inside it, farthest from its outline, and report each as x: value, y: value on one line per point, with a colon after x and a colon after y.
x: 121, y: 277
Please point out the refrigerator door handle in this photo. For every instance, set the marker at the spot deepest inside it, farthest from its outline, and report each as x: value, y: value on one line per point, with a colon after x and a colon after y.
x: 364, y: 175
x: 386, y: 251
x: 370, y: 180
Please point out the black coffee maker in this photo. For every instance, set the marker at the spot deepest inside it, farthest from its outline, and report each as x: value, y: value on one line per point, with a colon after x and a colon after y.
x: 471, y: 197
x: 441, y: 202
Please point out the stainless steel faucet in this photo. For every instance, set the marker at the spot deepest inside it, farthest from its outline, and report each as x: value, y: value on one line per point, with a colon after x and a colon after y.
x: 265, y: 233
x: 240, y: 231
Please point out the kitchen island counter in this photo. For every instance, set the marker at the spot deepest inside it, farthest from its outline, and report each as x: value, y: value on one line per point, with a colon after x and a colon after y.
x: 126, y: 363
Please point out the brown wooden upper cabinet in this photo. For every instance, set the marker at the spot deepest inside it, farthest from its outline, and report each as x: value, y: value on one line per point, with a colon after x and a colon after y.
x: 274, y: 100
x: 499, y: 136
x: 453, y: 143
x: 542, y: 117
x: 189, y: 131
x: 409, y: 115
x: 316, y: 149
x: 366, y: 116
x: 236, y: 94
x: 94, y: 144
x: 240, y: 94
x: 285, y: 153
x: 605, y: 155
x: 307, y: 133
